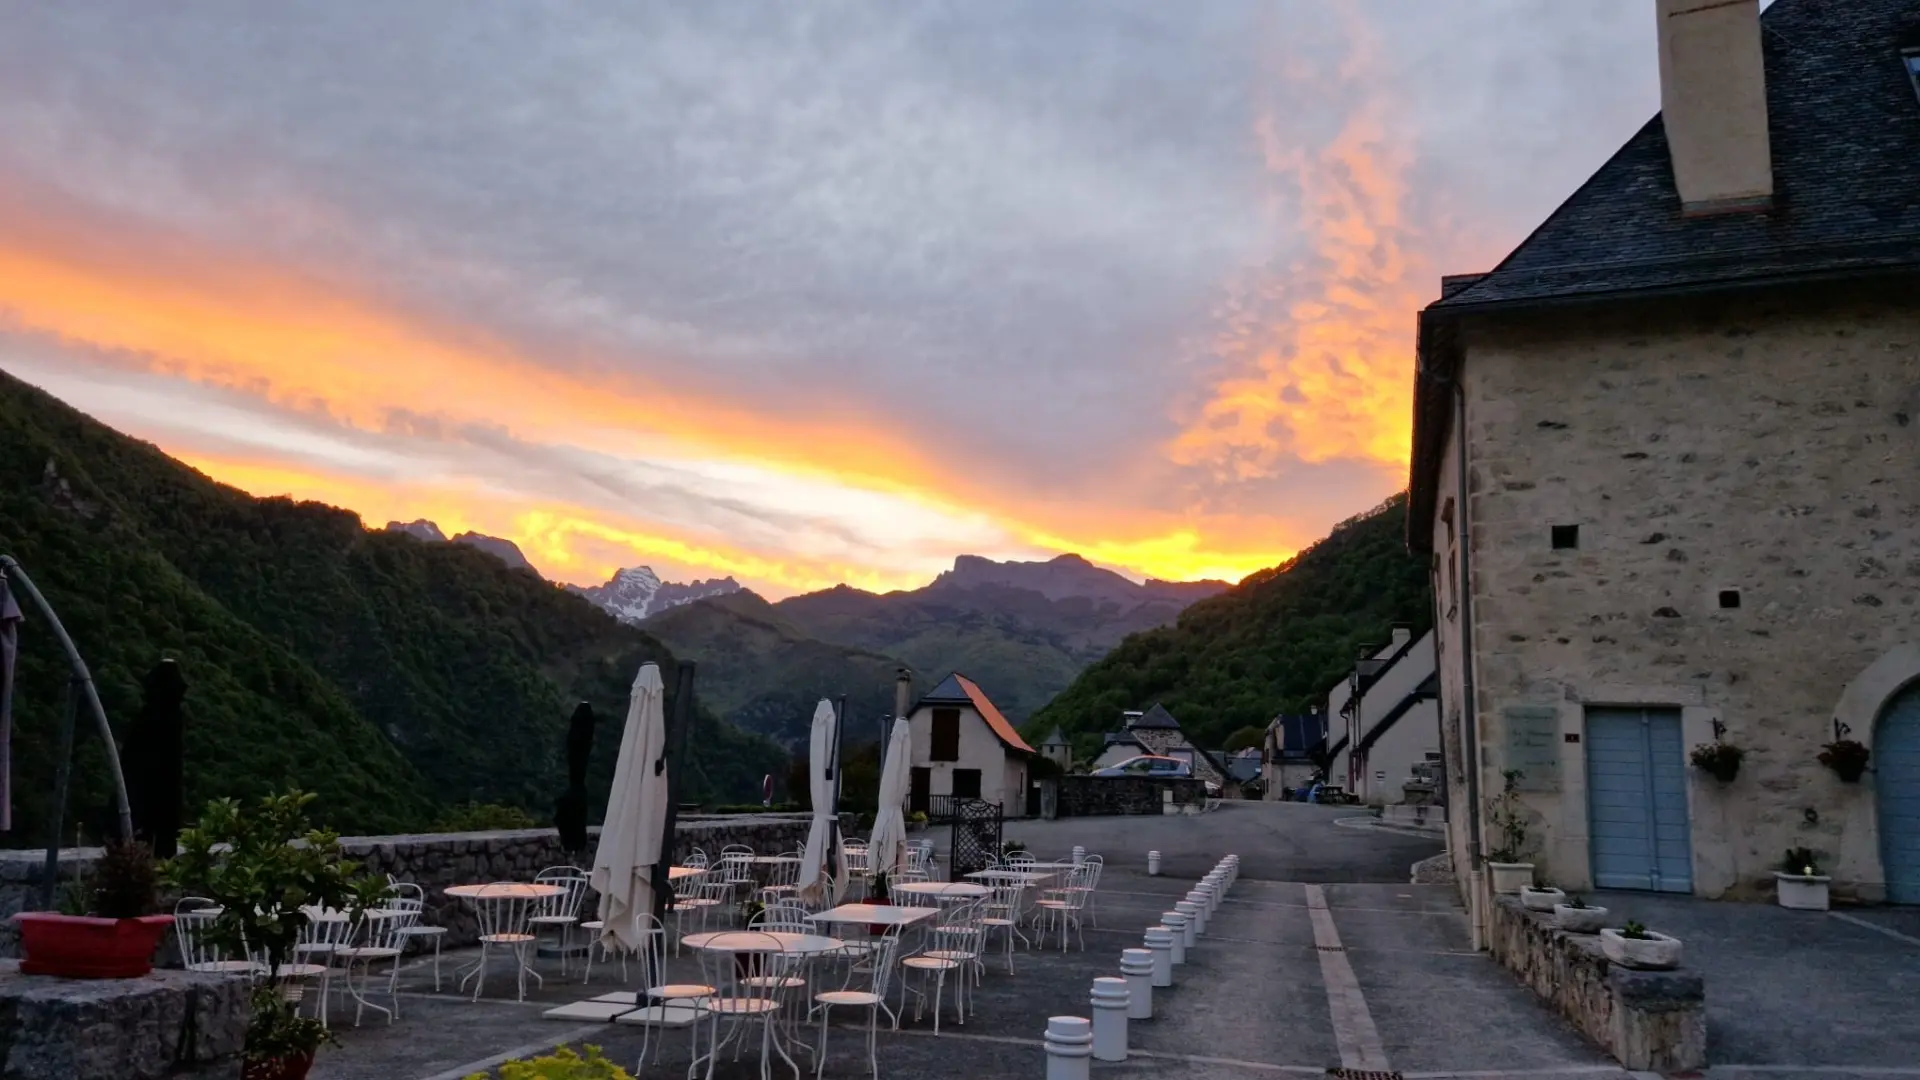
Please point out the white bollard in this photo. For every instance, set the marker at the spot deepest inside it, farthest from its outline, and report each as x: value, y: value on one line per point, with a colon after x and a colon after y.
x: 1176, y: 924
x: 1137, y: 966
x: 1069, y: 1048
x: 1160, y: 943
x: 1192, y: 914
x: 1210, y: 898
x: 1153, y: 864
x: 1199, y: 901
x: 1217, y: 889
x: 1079, y: 854
x: 1109, y: 1001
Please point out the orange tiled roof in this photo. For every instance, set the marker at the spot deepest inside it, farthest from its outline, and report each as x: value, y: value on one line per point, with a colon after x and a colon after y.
x: 991, y: 714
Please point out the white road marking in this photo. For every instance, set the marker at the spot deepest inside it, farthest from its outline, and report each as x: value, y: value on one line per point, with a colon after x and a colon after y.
x: 1858, y: 921
x: 1353, y: 1030
x: 487, y: 1063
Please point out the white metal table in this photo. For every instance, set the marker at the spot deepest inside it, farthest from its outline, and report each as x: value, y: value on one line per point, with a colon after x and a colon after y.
x: 503, y: 892
x: 749, y: 942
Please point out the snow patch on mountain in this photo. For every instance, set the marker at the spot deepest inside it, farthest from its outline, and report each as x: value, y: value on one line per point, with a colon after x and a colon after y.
x: 636, y: 592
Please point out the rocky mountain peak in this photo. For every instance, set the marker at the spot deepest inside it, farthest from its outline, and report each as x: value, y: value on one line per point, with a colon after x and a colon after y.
x: 421, y: 529
x: 635, y: 592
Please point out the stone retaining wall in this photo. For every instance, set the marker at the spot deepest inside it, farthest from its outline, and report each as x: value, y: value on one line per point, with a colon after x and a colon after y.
x: 1650, y: 1020
x: 174, y: 1024
x: 436, y: 860
x: 1089, y: 796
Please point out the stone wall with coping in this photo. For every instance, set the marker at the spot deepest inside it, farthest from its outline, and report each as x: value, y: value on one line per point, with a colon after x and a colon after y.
x: 436, y: 860
x: 1648, y: 1020
x: 1090, y: 796
x: 175, y: 1024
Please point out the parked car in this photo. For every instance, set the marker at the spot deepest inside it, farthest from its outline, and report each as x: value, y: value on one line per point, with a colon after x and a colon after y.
x: 1149, y: 765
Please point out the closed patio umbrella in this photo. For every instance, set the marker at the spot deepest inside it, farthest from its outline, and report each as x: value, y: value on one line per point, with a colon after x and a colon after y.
x: 630, y: 841
x: 889, y: 839
x: 822, y: 765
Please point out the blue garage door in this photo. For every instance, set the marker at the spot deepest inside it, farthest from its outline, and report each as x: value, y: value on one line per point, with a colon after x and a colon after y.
x: 1896, y: 759
x: 1637, y: 800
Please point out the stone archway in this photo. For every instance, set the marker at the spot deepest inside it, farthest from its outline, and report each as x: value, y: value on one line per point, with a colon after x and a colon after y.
x: 1890, y: 682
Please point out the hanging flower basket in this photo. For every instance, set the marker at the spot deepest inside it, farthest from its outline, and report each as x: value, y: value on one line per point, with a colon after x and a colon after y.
x: 1847, y: 758
x: 1721, y: 760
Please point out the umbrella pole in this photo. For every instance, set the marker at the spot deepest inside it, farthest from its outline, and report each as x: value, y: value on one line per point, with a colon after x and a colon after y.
x: 675, y: 751
x: 84, y: 679
x: 839, y: 775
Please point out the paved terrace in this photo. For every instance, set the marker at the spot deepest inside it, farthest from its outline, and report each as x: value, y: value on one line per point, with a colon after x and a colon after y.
x: 1386, y: 973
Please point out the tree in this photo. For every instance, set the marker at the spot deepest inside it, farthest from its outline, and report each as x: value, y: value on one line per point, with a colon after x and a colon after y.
x: 1245, y: 737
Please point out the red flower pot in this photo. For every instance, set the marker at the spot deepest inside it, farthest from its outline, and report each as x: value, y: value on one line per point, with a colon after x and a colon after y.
x: 83, y: 947
x: 284, y: 1068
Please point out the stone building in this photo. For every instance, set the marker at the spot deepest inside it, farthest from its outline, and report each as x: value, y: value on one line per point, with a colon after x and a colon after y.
x: 1386, y: 719
x: 1057, y: 749
x: 1291, y: 744
x: 1667, y: 463
x: 1155, y: 731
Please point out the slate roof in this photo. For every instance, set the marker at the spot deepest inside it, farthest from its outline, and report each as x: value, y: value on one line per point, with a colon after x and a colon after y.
x: 1299, y: 733
x: 1057, y: 738
x: 1844, y: 126
x: 1844, y: 130
x: 1155, y: 717
x: 957, y: 689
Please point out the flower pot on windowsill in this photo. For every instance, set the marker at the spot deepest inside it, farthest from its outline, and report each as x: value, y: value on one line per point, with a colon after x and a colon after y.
x: 1541, y: 899
x: 1579, y: 920
x: 1655, y: 952
x: 1802, y: 892
x: 83, y: 947
x: 1510, y: 878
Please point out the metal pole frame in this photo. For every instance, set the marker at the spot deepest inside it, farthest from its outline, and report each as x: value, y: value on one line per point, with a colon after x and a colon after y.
x: 673, y: 761
x: 88, y: 693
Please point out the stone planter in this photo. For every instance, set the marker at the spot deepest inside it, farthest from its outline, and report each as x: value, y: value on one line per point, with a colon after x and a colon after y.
x: 83, y: 947
x: 286, y: 1068
x: 1541, y: 899
x: 1802, y: 892
x: 1510, y: 877
x: 1655, y: 952
x: 1579, y: 920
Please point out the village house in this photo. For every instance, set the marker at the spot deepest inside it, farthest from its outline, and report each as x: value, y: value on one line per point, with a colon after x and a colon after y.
x: 964, y: 748
x: 1292, y: 743
x: 1387, y: 718
x: 1057, y: 749
x: 1666, y: 461
x: 1155, y: 731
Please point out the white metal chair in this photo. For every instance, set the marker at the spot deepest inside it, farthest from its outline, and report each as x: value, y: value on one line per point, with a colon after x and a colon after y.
x: 696, y: 897
x: 1062, y: 907
x: 376, y: 932
x: 954, y: 947
x: 408, y: 896
x: 783, y: 883
x: 561, y: 912
x: 742, y: 995
x: 191, y: 918
x: 1003, y: 913
x: 664, y: 1005
x: 1095, y: 866
x: 325, y: 933
x: 879, y: 968
x: 502, y: 912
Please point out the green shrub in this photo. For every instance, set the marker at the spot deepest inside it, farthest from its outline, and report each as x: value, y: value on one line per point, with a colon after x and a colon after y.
x: 485, y: 817
x: 562, y: 1064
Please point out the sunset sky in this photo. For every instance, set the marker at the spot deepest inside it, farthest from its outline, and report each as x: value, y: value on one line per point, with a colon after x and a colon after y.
x: 802, y: 293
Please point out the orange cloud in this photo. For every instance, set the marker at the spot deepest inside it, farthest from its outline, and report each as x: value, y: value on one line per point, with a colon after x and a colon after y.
x: 1320, y: 350
x: 204, y: 317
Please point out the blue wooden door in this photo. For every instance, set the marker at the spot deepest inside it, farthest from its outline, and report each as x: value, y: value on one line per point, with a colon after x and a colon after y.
x: 1896, y: 759
x: 1637, y: 800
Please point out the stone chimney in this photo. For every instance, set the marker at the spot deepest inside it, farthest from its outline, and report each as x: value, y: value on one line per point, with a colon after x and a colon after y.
x: 1713, y: 101
x: 902, y: 692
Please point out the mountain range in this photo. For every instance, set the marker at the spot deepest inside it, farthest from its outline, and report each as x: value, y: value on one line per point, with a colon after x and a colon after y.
x: 636, y: 592
x: 1274, y: 643
x: 1022, y: 630
x: 392, y: 677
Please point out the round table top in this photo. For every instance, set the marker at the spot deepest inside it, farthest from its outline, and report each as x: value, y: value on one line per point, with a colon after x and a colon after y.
x: 770, y: 860
x: 763, y: 941
x: 504, y: 890
x: 332, y: 915
x: 942, y: 888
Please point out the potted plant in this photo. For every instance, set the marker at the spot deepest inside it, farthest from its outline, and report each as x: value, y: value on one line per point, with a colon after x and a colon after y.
x: 562, y: 1064
x: 111, y: 926
x: 1799, y: 884
x: 1576, y: 916
x: 1635, y: 946
x: 917, y: 821
x: 1718, y: 759
x: 280, y: 1042
x: 1544, y: 898
x: 1509, y: 819
x: 263, y: 866
x: 878, y: 896
x: 1847, y: 758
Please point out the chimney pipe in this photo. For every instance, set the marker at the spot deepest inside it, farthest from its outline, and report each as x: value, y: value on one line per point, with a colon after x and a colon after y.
x: 902, y: 692
x: 1713, y: 103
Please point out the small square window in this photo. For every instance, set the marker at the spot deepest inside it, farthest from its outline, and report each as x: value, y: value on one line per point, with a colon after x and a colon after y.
x: 1729, y: 598
x: 1566, y: 537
